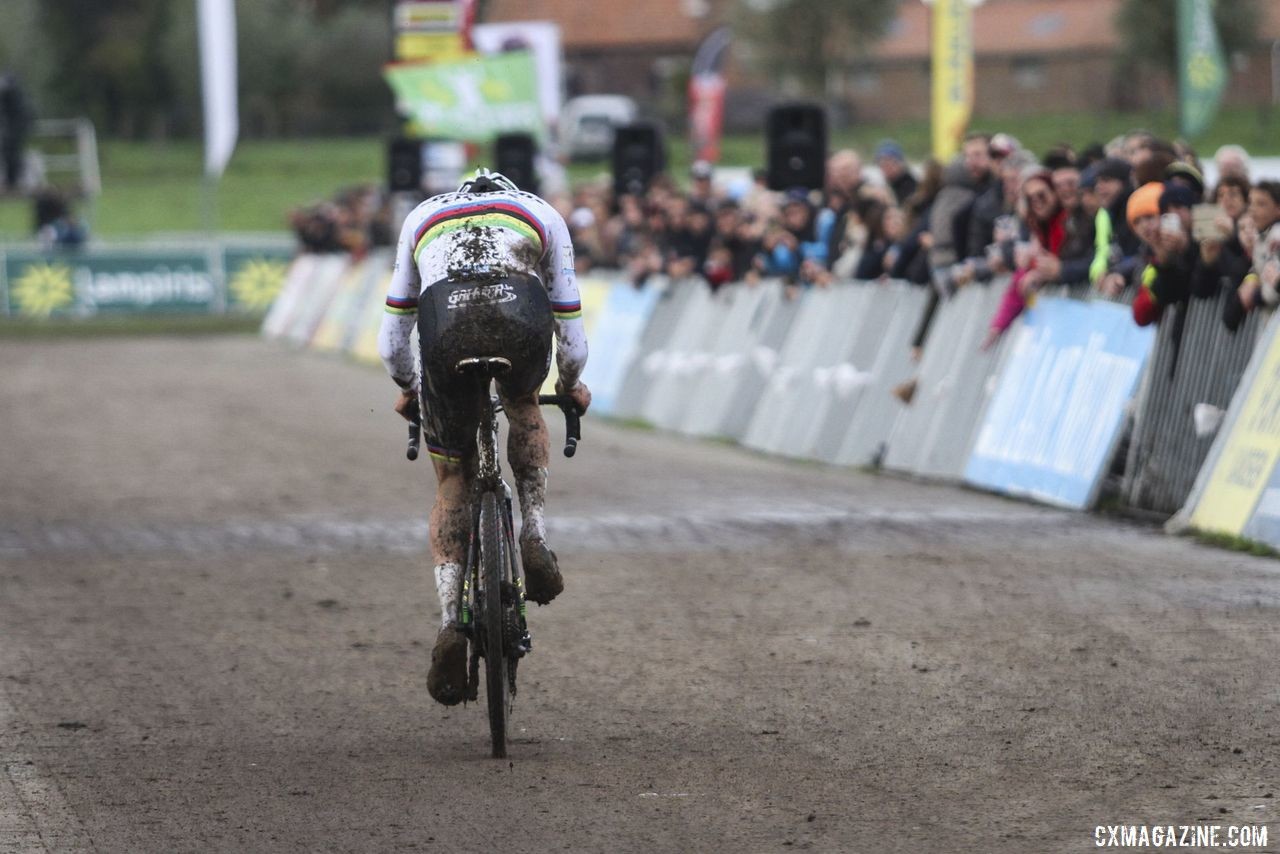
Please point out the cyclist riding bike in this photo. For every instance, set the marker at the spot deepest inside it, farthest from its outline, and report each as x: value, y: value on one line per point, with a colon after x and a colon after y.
x: 486, y: 271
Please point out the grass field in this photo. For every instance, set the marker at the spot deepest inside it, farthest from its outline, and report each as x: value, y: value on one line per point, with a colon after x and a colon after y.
x: 150, y: 188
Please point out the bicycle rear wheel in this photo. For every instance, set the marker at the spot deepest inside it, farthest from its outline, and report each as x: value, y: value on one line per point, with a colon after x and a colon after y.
x: 492, y: 562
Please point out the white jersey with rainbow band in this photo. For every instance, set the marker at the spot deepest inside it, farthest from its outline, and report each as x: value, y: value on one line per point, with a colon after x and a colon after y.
x: 457, y: 234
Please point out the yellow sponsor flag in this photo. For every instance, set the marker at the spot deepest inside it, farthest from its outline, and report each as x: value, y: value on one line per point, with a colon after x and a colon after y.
x: 952, y: 74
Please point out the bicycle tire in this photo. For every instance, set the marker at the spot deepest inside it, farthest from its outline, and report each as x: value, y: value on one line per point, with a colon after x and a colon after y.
x: 492, y: 562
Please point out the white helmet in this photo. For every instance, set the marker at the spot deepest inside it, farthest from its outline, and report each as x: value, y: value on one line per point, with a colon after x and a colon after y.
x: 485, y: 181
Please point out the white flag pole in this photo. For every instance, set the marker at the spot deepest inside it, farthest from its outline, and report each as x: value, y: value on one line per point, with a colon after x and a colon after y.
x: 217, y: 27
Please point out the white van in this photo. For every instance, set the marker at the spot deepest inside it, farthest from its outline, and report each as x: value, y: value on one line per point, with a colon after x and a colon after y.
x: 587, y: 124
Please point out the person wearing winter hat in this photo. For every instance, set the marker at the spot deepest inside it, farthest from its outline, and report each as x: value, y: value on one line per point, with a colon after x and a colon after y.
x: 1186, y: 175
x: 1170, y: 252
x: 892, y: 161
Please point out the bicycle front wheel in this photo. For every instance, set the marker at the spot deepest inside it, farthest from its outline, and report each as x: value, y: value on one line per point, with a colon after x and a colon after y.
x: 492, y: 561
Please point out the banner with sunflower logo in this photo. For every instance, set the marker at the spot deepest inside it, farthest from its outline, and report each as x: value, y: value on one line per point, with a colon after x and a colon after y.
x: 200, y: 279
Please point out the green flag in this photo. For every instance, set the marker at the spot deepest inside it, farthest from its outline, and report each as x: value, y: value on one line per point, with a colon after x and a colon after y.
x: 472, y: 99
x: 1202, y: 71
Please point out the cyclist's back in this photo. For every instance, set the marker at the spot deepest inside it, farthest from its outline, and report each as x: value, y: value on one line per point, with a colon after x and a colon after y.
x: 485, y: 271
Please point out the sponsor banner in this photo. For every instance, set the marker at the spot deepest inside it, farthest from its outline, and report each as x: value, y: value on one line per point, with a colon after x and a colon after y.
x: 593, y: 292
x: 1246, y: 466
x: 1202, y: 68
x: 952, y: 74
x: 254, y: 277
x: 436, y: 30
x: 81, y: 284
x: 615, y: 341
x: 1051, y: 427
x: 540, y: 37
x: 473, y: 99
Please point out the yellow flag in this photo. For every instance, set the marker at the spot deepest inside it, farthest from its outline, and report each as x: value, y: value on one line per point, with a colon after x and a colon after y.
x: 952, y: 74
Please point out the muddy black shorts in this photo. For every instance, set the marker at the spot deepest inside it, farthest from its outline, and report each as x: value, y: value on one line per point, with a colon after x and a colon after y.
x: 507, y: 316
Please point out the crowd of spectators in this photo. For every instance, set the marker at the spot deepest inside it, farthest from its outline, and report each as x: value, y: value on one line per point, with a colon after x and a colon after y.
x: 354, y: 221
x: 1130, y: 219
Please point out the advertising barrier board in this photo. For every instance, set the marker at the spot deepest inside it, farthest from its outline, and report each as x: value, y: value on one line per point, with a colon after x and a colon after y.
x: 1051, y: 429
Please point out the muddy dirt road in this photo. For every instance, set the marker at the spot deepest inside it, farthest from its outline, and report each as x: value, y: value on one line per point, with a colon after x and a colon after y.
x: 215, y: 620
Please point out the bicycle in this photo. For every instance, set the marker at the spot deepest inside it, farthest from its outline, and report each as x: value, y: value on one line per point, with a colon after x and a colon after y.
x: 492, y: 605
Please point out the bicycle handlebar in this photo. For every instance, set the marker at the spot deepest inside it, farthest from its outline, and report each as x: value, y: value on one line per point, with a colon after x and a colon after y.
x: 572, y: 423
x: 572, y: 419
x: 415, y: 431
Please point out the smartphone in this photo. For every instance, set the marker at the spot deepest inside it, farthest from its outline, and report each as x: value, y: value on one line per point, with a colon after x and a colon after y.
x: 1170, y: 223
x: 1204, y: 222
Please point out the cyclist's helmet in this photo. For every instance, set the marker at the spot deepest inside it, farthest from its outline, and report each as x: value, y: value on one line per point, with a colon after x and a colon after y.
x: 485, y: 181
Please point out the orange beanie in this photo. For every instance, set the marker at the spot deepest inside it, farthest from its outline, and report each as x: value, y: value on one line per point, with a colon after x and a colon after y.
x: 1145, y: 201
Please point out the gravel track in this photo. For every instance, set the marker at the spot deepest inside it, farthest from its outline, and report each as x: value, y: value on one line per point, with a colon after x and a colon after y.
x: 215, y: 620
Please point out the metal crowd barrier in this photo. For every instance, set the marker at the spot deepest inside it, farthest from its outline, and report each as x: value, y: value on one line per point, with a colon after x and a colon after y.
x: 1196, y: 361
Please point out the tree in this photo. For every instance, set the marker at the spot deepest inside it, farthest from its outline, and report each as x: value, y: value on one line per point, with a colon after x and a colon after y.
x: 1149, y: 30
x: 806, y: 39
x: 108, y: 59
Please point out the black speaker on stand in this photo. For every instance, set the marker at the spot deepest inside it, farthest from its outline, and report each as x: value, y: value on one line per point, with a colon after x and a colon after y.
x: 797, y: 146
x: 514, y: 155
x: 639, y: 154
x: 404, y: 166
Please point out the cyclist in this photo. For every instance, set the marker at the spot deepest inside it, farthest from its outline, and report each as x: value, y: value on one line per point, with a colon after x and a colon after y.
x: 484, y: 271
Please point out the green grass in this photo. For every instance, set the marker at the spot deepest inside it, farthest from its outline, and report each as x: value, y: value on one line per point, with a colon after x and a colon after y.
x: 158, y: 187
x: 151, y: 188
x: 1233, y: 543
x: 129, y: 326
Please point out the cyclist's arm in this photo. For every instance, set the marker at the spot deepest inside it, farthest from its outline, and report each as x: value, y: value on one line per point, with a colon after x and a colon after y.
x: 401, y: 313
x: 571, y: 336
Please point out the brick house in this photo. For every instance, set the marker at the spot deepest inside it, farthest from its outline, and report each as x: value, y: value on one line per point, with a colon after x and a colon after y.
x: 1032, y: 56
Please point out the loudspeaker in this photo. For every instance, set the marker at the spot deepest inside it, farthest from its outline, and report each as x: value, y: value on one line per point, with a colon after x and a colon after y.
x: 513, y: 156
x: 404, y: 166
x: 797, y: 146
x: 639, y: 154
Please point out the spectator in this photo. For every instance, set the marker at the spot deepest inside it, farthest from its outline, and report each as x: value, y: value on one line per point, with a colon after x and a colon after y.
x: 1187, y: 175
x: 1223, y: 260
x: 911, y: 254
x: 839, y: 218
x: 946, y: 217
x: 1113, y: 188
x: 1172, y: 256
x: 849, y: 245
x: 15, y: 123
x: 702, y: 189
x: 885, y: 227
x: 1232, y: 160
x: 688, y: 235
x: 995, y: 220
x: 1260, y: 237
x: 978, y: 164
x: 897, y: 174
x: 791, y: 248
x: 1152, y: 160
x: 1039, y: 260
x: 56, y: 225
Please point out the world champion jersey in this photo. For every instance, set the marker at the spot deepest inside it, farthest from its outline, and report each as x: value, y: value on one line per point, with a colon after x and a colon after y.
x: 459, y: 235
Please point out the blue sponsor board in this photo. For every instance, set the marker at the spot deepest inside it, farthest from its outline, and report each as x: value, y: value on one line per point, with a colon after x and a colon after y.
x: 615, y: 340
x: 1051, y: 427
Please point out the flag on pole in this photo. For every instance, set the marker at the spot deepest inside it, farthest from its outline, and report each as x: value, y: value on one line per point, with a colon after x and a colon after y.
x: 1202, y: 70
x: 706, y: 95
x: 952, y: 74
x: 218, y: 79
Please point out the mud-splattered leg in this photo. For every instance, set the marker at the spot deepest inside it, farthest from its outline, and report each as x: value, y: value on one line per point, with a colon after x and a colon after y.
x: 527, y: 451
x: 450, y: 531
